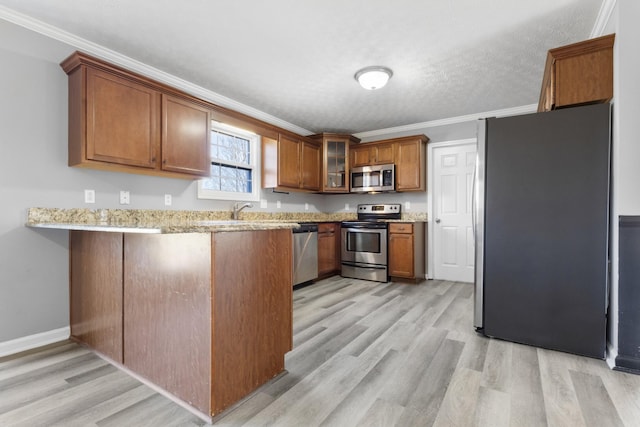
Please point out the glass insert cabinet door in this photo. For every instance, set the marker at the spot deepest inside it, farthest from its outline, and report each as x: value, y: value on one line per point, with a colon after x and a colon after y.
x: 335, y: 160
x: 336, y: 165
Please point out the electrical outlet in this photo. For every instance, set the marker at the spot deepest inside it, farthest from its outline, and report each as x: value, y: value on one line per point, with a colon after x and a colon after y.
x: 89, y: 196
x: 306, y: 206
x: 124, y: 197
x: 263, y: 204
x: 167, y: 200
x: 278, y: 204
x: 346, y: 206
x: 407, y: 205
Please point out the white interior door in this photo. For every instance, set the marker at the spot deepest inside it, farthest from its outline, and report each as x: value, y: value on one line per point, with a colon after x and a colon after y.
x: 453, y: 245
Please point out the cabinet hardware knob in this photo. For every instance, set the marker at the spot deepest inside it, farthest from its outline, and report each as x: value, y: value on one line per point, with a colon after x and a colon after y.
x: 437, y: 220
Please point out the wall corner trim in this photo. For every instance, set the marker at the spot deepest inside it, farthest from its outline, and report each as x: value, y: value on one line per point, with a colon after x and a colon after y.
x: 34, y: 341
x: 604, y: 14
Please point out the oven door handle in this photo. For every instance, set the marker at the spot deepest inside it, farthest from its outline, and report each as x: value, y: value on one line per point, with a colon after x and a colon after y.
x: 364, y: 266
x: 360, y: 228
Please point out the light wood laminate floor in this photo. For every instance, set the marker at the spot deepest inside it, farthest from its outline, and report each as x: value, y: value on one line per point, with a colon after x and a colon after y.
x: 365, y: 354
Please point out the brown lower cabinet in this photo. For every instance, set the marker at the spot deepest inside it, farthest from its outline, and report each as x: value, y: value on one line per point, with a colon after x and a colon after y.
x: 407, y: 250
x: 328, y: 249
x: 186, y: 311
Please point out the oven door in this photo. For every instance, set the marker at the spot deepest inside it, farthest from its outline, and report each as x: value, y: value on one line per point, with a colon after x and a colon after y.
x: 364, y: 245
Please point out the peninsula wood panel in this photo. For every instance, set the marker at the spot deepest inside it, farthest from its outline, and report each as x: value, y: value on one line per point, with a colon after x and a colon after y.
x: 252, y: 314
x: 96, y: 290
x: 167, y: 312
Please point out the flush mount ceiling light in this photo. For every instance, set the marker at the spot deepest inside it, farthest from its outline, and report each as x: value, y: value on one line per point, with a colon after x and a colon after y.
x: 372, y: 78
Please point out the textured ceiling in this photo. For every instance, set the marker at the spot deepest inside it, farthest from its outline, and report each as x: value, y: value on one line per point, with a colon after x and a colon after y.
x: 295, y: 60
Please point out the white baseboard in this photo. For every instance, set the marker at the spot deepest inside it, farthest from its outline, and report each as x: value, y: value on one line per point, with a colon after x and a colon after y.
x: 612, y: 353
x: 33, y: 341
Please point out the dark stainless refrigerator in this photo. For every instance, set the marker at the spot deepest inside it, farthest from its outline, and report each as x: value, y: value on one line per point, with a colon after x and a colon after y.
x: 541, y: 223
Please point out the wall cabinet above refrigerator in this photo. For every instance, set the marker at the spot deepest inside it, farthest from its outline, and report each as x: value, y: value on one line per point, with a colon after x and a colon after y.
x: 577, y: 74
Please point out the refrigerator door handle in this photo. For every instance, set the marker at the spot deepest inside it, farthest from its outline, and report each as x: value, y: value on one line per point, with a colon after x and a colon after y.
x: 478, y: 225
x: 473, y: 199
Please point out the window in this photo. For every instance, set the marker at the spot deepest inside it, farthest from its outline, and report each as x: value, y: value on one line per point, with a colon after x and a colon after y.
x: 234, y: 165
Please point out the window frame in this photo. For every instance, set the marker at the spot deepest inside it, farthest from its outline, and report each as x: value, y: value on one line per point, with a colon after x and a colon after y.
x: 254, y: 147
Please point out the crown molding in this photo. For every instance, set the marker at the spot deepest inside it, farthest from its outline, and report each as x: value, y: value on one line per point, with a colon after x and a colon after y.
x: 606, y: 9
x: 136, y: 66
x: 524, y: 109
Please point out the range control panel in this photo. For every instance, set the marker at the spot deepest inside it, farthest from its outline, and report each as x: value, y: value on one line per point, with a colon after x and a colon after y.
x: 381, y: 211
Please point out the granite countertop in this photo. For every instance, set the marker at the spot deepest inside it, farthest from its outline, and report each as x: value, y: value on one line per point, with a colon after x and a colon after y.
x: 166, y: 221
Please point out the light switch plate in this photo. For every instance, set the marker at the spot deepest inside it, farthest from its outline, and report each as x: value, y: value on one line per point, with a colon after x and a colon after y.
x: 278, y: 204
x: 263, y: 204
x: 306, y: 206
x: 346, y: 206
x: 407, y: 205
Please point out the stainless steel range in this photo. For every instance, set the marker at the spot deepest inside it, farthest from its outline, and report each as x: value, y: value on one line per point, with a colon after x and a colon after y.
x: 364, y: 242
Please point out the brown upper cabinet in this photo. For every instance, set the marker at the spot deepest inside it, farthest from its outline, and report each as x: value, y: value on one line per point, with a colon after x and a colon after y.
x: 579, y: 73
x: 372, y: 153
x: 411, y: 166
x: 124, y: 122
x: 407, y: 153
x: 186, y: 133
x: 290, y: 163
x: 335, y: 161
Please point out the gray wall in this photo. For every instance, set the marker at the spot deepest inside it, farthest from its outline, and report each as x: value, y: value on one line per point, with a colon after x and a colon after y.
x: 33, y: 265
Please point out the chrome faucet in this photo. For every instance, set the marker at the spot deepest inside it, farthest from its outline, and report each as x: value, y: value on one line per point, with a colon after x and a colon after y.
x: 237, y: 207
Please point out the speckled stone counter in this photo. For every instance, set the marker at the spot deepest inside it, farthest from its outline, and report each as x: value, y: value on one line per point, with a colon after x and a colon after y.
x: 166, y: 221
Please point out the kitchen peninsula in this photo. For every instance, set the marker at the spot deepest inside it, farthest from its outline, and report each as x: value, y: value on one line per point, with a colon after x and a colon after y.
x: 200, y: 307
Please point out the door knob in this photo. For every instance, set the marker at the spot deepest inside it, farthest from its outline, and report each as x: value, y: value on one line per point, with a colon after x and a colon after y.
x: 437, y: 220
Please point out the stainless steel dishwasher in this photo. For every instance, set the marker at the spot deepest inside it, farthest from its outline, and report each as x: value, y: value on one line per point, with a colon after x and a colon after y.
x: 305, y: 253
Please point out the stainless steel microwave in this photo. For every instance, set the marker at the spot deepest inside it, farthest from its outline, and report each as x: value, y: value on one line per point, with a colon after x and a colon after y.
x: 375, y: 178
